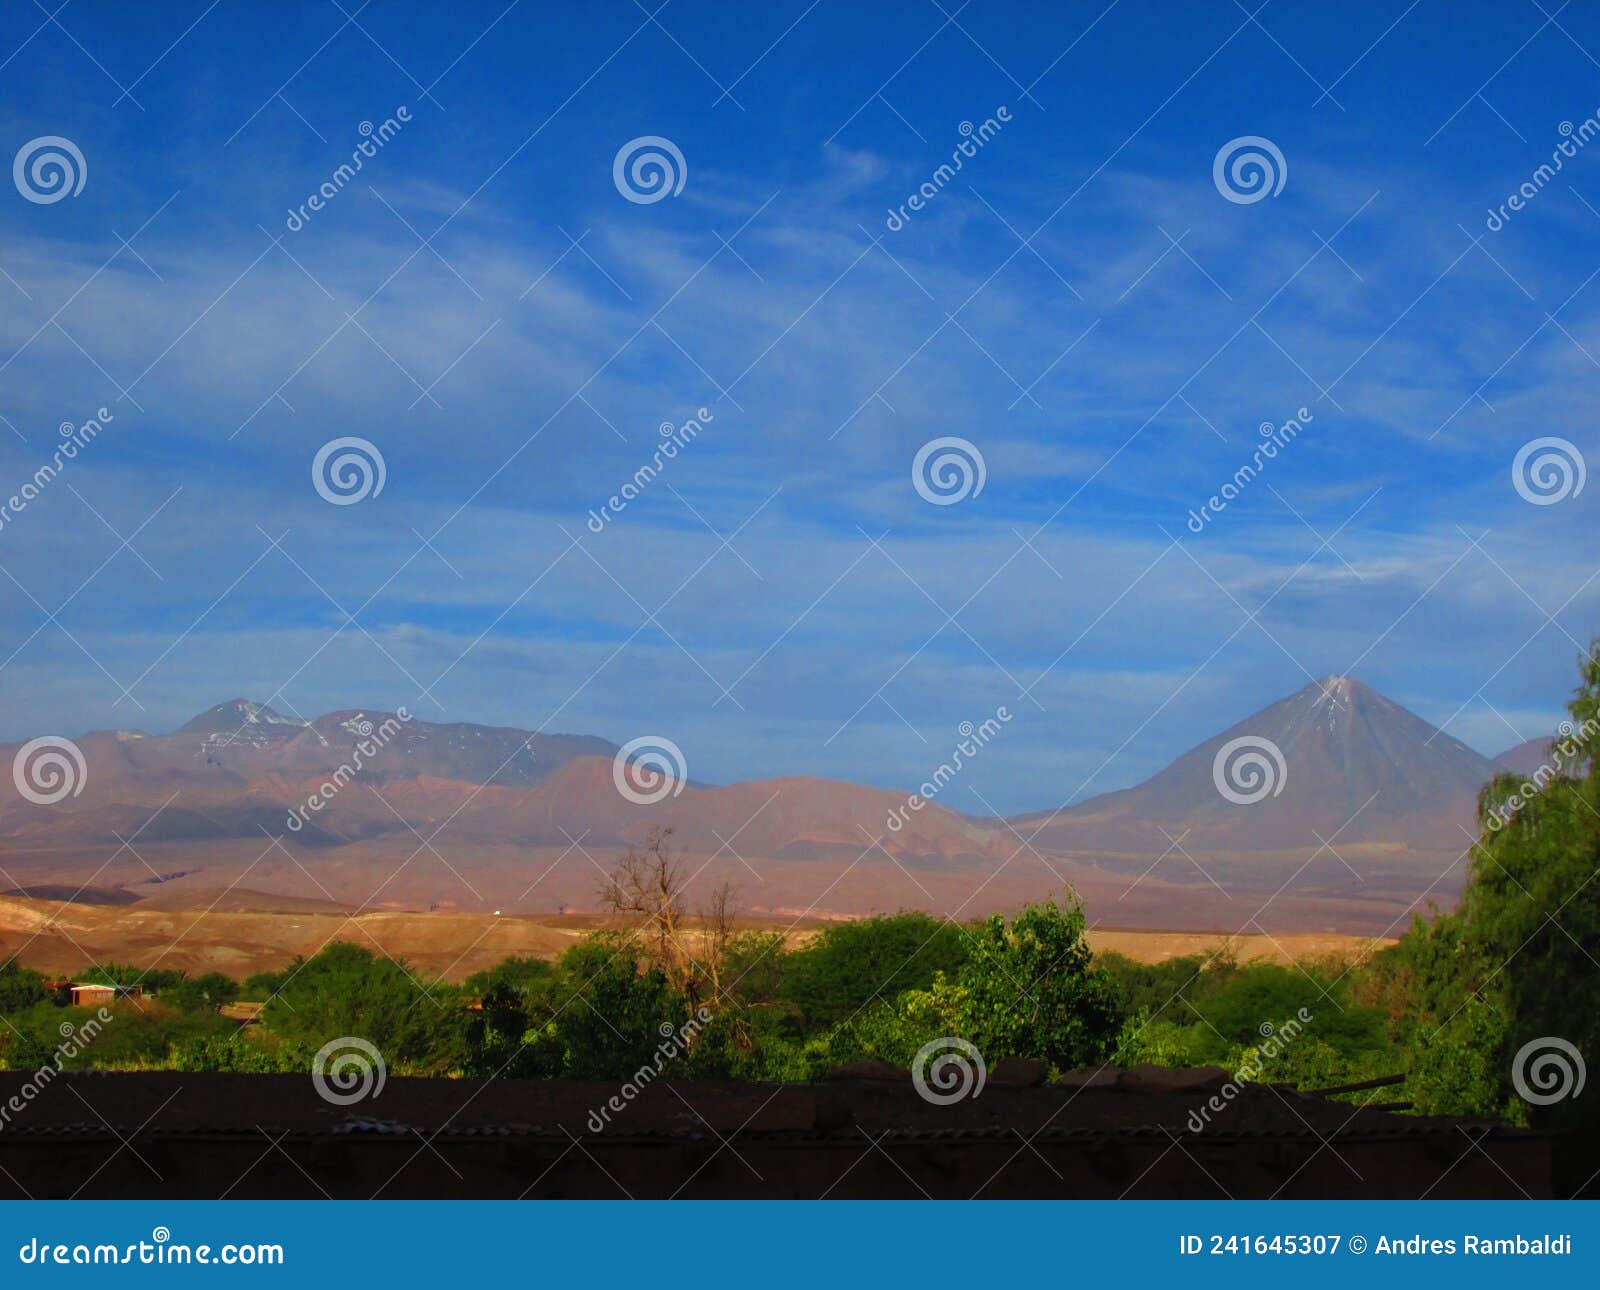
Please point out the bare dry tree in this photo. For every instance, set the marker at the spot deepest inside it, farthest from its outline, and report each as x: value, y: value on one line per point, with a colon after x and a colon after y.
x: 717, y: 922
x: 649, y: 889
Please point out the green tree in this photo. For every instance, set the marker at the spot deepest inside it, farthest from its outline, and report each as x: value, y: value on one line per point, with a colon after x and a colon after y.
x: 125, y: 1035
x: 850, y: 964
x: 261, y: 986
x: 523, y: 975
x: 347, y: 990
x: 1157, y: 988
x: 1031, y: 990
x: 757, y: 964
x: 606, y: 1018
x: 1531, y: 908
x: 497, y: 1035
x: 890, y: 1030
x: 1517, y: 963
x: 20, y: 987
x: 205, y: 993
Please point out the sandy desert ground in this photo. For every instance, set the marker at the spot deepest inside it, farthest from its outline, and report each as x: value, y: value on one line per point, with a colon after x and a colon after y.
x: 244, y: 932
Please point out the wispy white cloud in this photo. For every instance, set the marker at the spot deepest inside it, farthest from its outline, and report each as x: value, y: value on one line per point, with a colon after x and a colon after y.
x: 552, y: 370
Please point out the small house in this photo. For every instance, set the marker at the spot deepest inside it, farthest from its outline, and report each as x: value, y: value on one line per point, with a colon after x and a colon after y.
x: 93, y: 994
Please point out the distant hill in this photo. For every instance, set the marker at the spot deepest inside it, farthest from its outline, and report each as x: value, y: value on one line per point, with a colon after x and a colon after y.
x: 237, y: 900
x: 1528, y: 757
x: 66, y: 891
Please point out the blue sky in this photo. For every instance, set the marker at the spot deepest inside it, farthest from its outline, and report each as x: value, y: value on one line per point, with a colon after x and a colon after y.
x: 1081, y: 303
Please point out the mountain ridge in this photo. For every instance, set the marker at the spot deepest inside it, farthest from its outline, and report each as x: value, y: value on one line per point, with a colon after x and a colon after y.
x: 1333, y: 776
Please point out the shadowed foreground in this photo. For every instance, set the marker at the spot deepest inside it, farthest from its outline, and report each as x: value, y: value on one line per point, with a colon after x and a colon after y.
x: 163, y: 1134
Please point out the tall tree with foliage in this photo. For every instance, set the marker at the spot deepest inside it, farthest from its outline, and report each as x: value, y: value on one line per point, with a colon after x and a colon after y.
x: 1520, y: 961
x: 20, y: 987
x: 849, y: 964
x: 1531, y: 912
x: 1030, y: 989
x: 602, y: 1019
x: 347, y: 990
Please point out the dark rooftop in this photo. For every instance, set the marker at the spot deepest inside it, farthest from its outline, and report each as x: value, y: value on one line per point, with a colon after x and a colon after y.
x: 1105, y: 1135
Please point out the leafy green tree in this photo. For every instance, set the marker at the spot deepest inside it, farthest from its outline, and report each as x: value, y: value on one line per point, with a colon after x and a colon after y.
x: 20, y: 987
x: 1531, y: 909
x: 347, y: 990
x: 606, y: 1018
x: 1456, y: 1067
x: 497, y: 1035
x: 1030, y: 989
x: 849, y: 964
x: 1261, y: 994
x: 125, y: 1035
x: 261, y: 986
x: 523, y: 974
x: 204, y: 993
x: 890, y: 1030
x: 26, y: 1042
x: 1304, y: 1023
x: 757, y: 964
x: 1156, y: 989
x: 1449, y: 1038
x: 1517, y: 963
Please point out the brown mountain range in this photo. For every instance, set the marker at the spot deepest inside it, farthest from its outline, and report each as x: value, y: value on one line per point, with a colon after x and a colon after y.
x: 1345, y: 805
